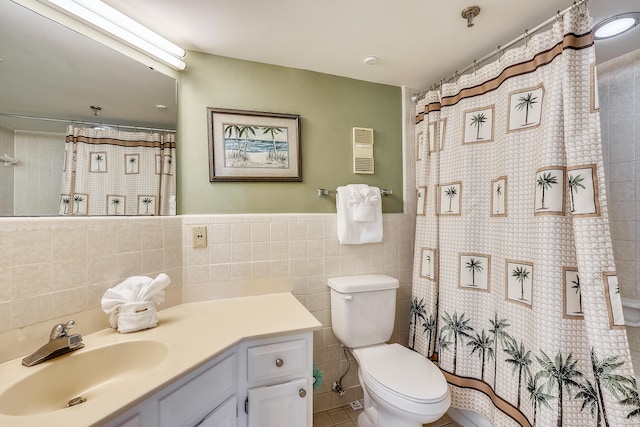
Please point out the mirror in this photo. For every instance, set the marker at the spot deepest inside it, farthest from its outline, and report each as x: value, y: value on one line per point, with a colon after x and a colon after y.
x: 53, y: 73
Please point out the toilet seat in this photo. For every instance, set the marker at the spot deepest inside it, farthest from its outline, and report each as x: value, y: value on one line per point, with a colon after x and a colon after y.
x: 399, y: 375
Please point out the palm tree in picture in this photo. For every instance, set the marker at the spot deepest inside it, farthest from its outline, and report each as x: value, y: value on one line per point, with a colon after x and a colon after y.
x: 605, y: 376
x: 537, y: 396
x: 521, y: 274
x: 77, y: 200
x: 116, y: 202
x: 65, y: 201
x: 589, y: 396
x: 546, y: 181
x: 483, y: 344
x: 132, y: 162
x: 244, y: 133
x: 229, y: 132
x: 477, y: 121
x: 273, y: 132
x: 147, y: 201
x: 474, y: 265
x: 451, y: 193
x: 520, y: 360
x: 576, y: 286
x: 98, y: 158
x: 417, y: 311
x: 562, y: 373
x: 526, y: 103
x: 429, y: 326
x: 459, y: 329
x: 499, y: 196
x: 498, y: 327
x: 575, y: 182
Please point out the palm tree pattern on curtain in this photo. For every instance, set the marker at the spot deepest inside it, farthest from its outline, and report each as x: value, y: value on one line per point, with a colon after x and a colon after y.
x: 510, y: 352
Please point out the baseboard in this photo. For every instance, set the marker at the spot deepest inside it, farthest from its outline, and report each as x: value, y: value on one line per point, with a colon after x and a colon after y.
x: 468, y: 418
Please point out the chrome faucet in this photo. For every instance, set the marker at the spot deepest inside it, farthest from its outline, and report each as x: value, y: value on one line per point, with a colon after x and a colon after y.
x: 60, y: 342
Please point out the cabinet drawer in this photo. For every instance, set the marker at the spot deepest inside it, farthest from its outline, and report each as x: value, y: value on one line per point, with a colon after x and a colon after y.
x: 277, y: 360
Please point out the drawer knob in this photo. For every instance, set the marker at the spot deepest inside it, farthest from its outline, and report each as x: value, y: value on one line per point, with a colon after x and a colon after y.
x: 279, y: 363
x: 302, y: 392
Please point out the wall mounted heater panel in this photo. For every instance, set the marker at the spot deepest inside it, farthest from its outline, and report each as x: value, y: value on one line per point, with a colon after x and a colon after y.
x: 363, y: 150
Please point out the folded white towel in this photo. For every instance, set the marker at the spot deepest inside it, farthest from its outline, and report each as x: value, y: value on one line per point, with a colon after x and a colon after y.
x: 359, y: 214
x: 131, y: 305
x: 364, y: 201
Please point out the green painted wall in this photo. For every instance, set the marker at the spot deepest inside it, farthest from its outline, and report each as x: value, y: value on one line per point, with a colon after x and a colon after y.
x: 329, y: 107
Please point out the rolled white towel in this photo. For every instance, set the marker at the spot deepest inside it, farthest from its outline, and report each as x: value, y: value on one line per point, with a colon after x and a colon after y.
x: 131, y: 305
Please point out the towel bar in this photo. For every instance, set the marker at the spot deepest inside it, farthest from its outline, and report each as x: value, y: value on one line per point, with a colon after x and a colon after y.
x: 323, y: 192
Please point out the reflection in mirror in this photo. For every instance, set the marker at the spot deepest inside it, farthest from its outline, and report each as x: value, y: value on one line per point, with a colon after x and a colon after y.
x: 50, y: 77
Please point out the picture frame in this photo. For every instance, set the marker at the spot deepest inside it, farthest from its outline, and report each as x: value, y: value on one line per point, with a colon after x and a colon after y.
x: 253, y: 146
x: 474, y: 272
x: 613, y: 299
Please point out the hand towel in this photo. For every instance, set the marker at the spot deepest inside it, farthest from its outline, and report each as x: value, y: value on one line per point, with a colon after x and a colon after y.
x: 359, y: 214
x: 131, y: 305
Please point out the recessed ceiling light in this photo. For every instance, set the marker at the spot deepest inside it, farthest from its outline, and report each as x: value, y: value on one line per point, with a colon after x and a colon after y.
x: 616, y: 25
x: 371, y: 60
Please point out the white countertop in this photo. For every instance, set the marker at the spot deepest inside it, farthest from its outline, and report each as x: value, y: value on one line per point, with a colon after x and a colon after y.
x: 194, y: 333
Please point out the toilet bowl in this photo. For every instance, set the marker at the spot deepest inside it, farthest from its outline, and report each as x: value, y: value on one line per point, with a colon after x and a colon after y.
x: 401, y: 387
x: 404, y: 387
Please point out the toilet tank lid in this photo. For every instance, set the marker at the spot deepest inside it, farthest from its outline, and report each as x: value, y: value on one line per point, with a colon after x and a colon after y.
x: 364, y: 283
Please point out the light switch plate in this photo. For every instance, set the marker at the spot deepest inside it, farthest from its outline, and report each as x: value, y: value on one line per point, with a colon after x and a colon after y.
x: 199, y: 236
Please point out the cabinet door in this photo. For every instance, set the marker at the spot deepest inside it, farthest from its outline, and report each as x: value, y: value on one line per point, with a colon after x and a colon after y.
x: 223, y: 416
x: 281, y: 405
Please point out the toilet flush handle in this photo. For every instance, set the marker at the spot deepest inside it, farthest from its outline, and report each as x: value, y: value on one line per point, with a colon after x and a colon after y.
x: 347, y: 297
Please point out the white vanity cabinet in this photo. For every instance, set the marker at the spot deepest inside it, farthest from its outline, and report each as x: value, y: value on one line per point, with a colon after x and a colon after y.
x: 257, y: 383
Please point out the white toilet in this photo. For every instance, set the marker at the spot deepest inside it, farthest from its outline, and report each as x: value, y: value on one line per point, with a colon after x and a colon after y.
x: 401, y: 388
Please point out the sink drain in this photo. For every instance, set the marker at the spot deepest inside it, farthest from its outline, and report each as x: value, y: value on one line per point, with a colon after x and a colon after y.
x: 76, y: 401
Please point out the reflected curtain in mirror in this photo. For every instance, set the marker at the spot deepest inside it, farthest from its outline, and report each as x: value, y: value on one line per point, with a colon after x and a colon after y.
x: 114, y: 172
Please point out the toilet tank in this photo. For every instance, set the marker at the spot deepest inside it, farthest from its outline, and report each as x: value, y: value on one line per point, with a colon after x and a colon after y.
x: 363, y: 309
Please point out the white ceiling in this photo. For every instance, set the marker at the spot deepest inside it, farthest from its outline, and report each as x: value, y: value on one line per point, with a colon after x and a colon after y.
x: 418, y: 42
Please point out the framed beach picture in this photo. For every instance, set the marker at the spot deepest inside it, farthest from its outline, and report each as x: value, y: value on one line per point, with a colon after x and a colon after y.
x: 253, y: 146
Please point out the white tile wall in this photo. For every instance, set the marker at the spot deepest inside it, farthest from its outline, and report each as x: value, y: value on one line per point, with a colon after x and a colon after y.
x: 52, y: 269
x: 619, y: 94
x: 7, y: 137
x: 37, y: 176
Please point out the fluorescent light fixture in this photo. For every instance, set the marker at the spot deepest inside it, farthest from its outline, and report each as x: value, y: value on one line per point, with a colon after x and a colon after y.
x: 126, y: 29
x: 616, y: 25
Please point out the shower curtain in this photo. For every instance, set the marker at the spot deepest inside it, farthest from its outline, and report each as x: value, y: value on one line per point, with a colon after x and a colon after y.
x: 113, y: 172
x: 514, y: 287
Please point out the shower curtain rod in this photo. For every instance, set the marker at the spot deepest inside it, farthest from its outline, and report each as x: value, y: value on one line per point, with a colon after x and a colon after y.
x: 81, y: 122
x: 502, y: 48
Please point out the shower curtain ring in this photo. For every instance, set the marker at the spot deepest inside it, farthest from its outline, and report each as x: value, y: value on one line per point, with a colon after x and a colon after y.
x: 558, y: 16
x: 499, y: 53
x: 526, y: 38
x: 474, y: 67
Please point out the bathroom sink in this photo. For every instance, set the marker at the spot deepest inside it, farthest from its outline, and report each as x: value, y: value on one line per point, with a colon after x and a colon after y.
x: 80, y: 375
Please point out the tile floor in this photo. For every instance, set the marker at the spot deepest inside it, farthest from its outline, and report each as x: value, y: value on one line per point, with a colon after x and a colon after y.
x: 346, y: 417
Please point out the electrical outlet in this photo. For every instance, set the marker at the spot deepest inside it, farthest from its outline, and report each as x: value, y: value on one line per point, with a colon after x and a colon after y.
x: 199, y: 237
